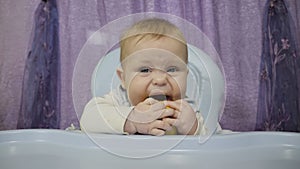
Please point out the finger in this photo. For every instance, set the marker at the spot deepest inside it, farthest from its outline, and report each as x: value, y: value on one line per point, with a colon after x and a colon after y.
x: 162, y: 125
x: 158, y: 106
x: 178, y: 104
x: 164, y: 113
x: 171, y: 121
x: 150, y: 101
x: 157, y: 132
x: 176, y: 114
x: 172, y: 104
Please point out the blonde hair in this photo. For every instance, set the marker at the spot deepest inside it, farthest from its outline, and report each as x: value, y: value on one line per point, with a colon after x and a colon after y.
x: 153, y: 28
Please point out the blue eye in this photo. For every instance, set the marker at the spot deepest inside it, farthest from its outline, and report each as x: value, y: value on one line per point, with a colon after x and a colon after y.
x: 172, y: 69
x: 145, y: 70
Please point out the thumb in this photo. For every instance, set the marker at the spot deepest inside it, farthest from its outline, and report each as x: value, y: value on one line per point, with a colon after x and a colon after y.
x: 150, y: 101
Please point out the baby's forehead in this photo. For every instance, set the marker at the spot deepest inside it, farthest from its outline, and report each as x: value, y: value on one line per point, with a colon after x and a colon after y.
x: 149, y: 54
x: 162, y: 46
x: 154, y: 58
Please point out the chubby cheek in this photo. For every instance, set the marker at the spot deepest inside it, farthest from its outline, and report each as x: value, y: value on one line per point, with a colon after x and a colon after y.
x: 136, y: 91
x: 179, y: 87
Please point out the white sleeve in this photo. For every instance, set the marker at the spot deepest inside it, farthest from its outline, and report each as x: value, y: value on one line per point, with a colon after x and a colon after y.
x: 201, y: 129
x: 102, y: 115
x: 222, y: 131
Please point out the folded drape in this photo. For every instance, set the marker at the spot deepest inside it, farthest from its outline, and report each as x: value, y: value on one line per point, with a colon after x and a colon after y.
x: 40, y: 102
x: 279, y: 93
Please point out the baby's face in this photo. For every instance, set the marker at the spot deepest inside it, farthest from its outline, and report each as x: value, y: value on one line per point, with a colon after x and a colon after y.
x: 155, y: 67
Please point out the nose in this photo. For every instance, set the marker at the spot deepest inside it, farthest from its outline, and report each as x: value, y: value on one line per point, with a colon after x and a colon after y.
x: 159, y: 78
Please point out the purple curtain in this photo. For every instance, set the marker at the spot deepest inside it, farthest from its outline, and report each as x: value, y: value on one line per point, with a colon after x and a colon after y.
x: 235, y: 29
x: 279, y: 94
x: 40, y: 103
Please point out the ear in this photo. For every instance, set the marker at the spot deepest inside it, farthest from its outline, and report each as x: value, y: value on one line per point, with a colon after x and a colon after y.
x: 121, y: 76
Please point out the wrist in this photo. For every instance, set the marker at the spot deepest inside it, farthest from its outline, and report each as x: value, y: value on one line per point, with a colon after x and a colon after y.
x: 194, y: 128
x: 129, y: 127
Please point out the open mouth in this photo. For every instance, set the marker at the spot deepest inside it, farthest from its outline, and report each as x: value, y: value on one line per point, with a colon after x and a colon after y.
x: 160, y: 97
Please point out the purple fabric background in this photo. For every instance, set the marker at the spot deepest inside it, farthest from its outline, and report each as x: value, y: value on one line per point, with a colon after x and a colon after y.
x: 234, y: 27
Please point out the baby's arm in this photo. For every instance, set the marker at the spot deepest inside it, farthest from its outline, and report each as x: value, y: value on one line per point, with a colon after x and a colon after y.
x: 102, y: 115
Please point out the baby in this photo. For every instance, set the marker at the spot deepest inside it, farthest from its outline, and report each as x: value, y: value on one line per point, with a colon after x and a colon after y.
x: 151, y: 98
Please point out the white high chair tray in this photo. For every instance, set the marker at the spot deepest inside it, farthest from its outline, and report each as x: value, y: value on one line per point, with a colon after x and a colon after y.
x: 59, y: 149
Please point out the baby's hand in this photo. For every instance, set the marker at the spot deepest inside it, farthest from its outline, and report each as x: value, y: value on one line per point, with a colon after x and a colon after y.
x: 146, y: 118
x: 184, y: 117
